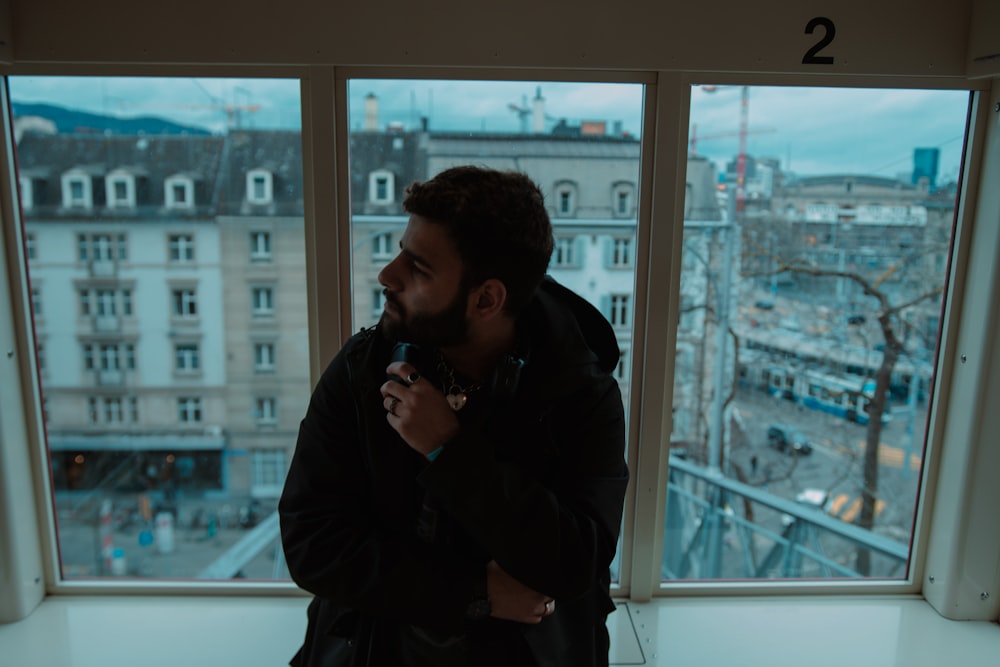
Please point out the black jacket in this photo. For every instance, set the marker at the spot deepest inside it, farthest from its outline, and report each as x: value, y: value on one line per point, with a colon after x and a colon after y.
x: 535, y: 481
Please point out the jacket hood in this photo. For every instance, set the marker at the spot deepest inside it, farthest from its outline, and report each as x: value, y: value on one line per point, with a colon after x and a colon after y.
x: 575, y: 327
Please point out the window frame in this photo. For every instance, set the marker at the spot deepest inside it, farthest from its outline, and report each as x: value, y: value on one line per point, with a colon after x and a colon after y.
x: 662, y: 174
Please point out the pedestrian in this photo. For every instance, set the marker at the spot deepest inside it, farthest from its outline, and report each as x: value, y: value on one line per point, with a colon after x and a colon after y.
x: 456, y: 501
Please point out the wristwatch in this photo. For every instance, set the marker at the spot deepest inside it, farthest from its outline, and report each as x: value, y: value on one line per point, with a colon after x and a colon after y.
x: 480, y: 607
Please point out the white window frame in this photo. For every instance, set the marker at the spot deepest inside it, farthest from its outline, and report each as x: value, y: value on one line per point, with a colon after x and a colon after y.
x: 268, y: 468
x: 260, y: 246
x: 187, y: 358
x: 27, y: 185
x: 184, y: 302
x: 86, y: 183
x: 381, y: 179
x: 266, y: 180
x: 190, y: 410
x: 111, y: 183
x: 266, y: 410
x: 958, y: 519
x: 382, y: 248
x: 262, y: 301
x: 170, y: 186
x: 264, y: 353
x: 566, y: 199
x: 180, y: 248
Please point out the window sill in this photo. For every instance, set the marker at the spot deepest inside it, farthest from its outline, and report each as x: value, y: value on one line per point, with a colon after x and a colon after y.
x: 107, y: 631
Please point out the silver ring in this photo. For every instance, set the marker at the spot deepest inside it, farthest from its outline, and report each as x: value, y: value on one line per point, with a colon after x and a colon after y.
x: 412, y: 377
x: 392, y: 406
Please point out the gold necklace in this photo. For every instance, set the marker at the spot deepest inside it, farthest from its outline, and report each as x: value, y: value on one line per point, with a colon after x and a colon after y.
x: 456, y: 395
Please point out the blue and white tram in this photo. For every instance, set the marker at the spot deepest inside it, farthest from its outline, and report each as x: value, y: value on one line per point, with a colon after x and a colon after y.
x: 847, y: 398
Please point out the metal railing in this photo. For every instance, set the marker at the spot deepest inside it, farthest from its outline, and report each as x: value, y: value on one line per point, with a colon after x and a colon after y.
x: 720, y: 528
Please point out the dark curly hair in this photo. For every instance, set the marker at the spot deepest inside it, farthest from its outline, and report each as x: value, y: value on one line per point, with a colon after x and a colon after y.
x: 498, y: 222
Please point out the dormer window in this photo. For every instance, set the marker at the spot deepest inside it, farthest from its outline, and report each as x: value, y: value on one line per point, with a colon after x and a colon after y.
x: 623, y: 200
x: 120, y: 189
x: 381, y: 186
x: 178, y: 192
x: 260, y: 186
x: 27, y: 193
x: 76, y: 189
x: 566, y: 198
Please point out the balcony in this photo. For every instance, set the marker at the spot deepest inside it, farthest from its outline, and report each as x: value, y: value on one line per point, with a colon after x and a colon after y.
x: 103, y: 268
x: 110, y: 378
x: 107, y: 323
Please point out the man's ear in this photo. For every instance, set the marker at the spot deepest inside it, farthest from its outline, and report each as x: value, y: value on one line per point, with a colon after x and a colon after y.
x: 489, y: 299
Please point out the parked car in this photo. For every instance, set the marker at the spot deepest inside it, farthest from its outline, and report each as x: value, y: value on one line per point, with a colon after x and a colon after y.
x: 787, y: 440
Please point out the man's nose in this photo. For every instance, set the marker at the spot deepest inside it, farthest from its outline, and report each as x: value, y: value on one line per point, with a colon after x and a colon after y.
x: 387, y: 277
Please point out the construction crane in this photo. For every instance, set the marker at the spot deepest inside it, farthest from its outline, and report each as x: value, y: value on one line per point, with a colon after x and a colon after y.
x: 741, y: 157
x: 695, y: 137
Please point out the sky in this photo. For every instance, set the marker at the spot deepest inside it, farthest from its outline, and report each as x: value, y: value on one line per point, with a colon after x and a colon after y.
x: 810, y: 130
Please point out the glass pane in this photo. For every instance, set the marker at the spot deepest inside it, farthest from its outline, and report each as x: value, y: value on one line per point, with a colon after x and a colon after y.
x: 817, y: 232
x: 579, y: 142
x: 166, y: 443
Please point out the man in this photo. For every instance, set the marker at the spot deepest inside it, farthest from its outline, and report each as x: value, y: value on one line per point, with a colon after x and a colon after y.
x: 457, y: 501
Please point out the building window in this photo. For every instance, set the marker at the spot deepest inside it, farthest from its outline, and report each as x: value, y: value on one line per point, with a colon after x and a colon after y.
x: 185, y: 303
x: 267, y: 410
x: 30, y: 246
x: 620, y: 310
x: 267, y: 469
x: 101, y: 248
x: 565, y: 253
x: 120, y: 190
x: 381, y: 187
x: 382, y: 249
x: 260, y: 246
x: 621, y: 371
x: 566, y: 198
x: 263, y: 357
x: 27, y: 192
x: 186, y: 358
x: 378, y: 303
x: 260, y: 186
x: 178, y: 192
x: 36, y: 301
x: 262, y: 301
x: 620, y: 253
x: 93, y: 416
x: 181, y: 248
x: 623, y: 197
x: 189, y: 410
x: 76, y: 190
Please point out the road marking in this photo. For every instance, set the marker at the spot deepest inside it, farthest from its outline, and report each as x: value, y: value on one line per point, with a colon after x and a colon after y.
x: 853, y: 509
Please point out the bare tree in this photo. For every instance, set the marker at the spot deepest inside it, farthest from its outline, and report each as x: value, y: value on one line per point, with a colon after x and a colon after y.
x: 894, y: 328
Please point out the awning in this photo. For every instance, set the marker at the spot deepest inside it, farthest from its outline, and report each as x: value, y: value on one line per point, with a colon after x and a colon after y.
x: 131, y: 443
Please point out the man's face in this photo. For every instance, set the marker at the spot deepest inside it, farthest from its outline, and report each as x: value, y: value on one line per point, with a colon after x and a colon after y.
x: 425, y: 300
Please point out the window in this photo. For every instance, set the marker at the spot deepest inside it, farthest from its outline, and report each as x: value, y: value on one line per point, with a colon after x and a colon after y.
x: 268, y: 469
x: 76, y: 190
x: 120, y: 187
x: 565, y: 252
x: 619, y: 310
x: 565, y: 199
x: 771, y: 314
x: 382, y: 249
x: 189, y: 410
x: 142, y: 388
x: 259, y: 186
x: 260, y: 246
x: 178, y: 192
x: 381, y: 186
x: 181, y: 248
x: 378, y: 303
x: 620, y: 253
x: 263, y: 354
x: 266, y: 411
x: 36, y: 301
x: 623, y: 197
x: 185, y: 302
x: 262, y: 301
x: 186, y: 358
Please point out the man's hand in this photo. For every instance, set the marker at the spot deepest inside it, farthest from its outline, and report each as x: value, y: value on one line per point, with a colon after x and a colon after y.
x: 513, y: 601
x: 416, y: 409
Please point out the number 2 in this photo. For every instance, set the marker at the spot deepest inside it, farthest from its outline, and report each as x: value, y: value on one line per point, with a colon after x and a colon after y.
x: 810, y: 58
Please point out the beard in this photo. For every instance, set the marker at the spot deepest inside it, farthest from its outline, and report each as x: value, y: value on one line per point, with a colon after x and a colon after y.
x: 445, y: 328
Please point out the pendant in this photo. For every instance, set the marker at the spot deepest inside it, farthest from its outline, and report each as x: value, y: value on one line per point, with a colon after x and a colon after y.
x: 457, y: 401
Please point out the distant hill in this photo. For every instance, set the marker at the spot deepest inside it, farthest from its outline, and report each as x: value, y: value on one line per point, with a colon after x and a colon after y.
x: 72, y: 121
